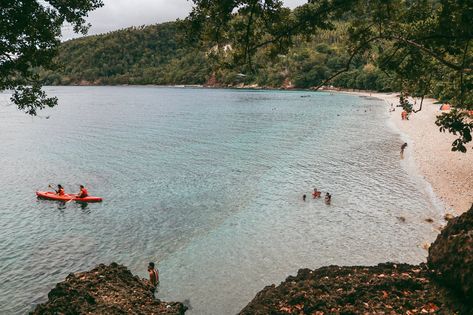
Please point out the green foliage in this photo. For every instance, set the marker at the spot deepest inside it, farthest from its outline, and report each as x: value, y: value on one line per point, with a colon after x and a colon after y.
x: 29, y: 32
x: 161, y: 54
x: 420, y: 47
x: 404, y: 102
x: 456, y: 122
x: 153, y: 54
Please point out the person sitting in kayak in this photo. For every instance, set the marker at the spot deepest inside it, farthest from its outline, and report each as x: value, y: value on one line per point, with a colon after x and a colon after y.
x: 60, y: 190
x: 316, y: 193
x: 83, y: 192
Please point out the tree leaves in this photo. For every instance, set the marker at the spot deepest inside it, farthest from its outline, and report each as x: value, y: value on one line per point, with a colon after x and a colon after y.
x: 457, y: 123
x: 29, y: 38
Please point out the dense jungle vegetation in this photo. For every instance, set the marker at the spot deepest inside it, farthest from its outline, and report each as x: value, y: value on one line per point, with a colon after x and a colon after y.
x: 161, y: 54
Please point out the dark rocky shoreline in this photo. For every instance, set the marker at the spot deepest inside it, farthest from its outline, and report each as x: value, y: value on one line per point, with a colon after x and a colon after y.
x: 442, y: 286
x: 106, y: 290
x: 382, y: 289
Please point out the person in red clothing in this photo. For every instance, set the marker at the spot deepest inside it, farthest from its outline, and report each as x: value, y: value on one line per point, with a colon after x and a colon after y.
x: 404, y: 115
x: 316, y: 193
x: 60, y: 190
x: 83, y: 192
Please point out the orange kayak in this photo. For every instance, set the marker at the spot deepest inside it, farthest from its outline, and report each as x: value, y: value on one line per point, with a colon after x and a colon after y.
x: 66, y: 197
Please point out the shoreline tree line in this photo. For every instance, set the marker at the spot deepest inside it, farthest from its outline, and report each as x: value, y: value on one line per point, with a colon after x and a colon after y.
x: 419, y: 48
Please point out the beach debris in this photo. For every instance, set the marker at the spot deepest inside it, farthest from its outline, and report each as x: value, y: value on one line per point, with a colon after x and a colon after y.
x: 401, y: 218
x: 448, y: 216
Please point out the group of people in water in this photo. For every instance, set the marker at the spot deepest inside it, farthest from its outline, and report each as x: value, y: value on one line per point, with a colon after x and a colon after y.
x: 82, y: 193
x: 317, y: 194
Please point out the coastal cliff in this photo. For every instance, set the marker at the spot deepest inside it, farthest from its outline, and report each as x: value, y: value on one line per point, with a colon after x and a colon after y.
x: 105, y: 290
x: 443, y: 286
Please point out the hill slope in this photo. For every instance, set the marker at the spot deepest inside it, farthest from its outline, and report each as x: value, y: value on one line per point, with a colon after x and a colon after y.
x: 159, y: 54
x: 139, y: 55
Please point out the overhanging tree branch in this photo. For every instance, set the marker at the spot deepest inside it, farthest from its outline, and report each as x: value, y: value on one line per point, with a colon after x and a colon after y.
x: 430, y: 52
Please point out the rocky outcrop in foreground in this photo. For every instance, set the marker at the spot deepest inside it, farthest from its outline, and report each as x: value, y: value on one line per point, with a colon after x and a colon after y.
x: 451, y: 255
x: 105, y: 290
x: 443, y: 286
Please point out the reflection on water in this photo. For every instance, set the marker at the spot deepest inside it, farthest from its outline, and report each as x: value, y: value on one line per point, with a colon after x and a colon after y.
x: 209, y: 184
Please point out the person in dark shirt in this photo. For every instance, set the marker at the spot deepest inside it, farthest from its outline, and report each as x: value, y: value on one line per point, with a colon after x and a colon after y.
x: 402, y: 150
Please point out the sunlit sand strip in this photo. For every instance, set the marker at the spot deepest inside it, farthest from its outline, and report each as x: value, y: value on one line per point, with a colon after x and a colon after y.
x: 449, y: 173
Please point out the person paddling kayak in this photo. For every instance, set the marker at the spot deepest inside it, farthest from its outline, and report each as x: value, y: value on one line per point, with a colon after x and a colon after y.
x: 83, y: 192
x: 60, y: 190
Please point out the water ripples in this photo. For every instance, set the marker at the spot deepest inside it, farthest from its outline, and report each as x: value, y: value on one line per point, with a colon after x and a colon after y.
x: 208, y: 182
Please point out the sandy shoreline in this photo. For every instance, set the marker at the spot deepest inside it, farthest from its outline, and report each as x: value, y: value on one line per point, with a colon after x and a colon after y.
x: 449, y: 173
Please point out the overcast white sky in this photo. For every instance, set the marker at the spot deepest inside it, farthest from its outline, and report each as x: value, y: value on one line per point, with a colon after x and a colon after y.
x: 118, y: 14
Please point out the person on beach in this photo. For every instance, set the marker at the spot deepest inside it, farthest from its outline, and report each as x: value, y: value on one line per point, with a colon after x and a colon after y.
x: 404, y: 115
x: 316, y: 193
x: 328, y: 198
x: 402, y: 149
x: 60, y: 190
x: 304, y: 197
x: 83, y: 192
x: 153, y: 275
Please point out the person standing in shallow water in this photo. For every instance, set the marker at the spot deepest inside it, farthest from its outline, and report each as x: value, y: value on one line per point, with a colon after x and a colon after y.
x: 304, y: 196
x: 153, y: 275
x: 402, y: 149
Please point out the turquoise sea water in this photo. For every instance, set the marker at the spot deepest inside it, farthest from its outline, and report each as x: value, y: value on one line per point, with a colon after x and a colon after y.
x: 208, y: 183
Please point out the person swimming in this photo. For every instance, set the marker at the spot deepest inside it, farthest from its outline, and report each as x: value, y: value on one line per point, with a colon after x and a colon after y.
x: 328, y: 198
x: 316, y: 193
x: 304, y: 196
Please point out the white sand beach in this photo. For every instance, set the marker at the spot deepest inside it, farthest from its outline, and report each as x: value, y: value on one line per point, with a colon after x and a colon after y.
x: 450, y: 173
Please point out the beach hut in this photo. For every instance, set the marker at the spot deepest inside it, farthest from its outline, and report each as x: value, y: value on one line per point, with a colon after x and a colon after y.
x: 445, y: 106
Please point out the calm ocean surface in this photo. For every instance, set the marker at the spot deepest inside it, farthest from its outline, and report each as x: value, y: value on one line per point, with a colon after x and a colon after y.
x: 209, y: 184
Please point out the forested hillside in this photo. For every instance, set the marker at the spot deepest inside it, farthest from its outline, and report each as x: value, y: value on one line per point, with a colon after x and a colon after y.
x: 140, y: 55
x: 160, y: 54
